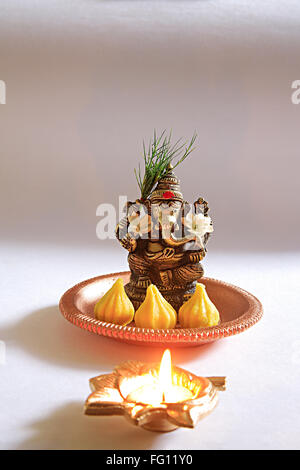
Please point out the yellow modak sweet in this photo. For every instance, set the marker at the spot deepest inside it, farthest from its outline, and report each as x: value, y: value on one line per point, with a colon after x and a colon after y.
x: 155, y: 312
x: 115, y: 306
x: 198, y: 311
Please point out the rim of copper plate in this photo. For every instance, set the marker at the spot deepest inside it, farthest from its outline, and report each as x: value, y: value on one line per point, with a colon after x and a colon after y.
x: 146, y: 335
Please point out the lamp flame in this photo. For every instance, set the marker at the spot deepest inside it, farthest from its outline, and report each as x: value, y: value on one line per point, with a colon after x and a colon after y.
x: 165, y: 374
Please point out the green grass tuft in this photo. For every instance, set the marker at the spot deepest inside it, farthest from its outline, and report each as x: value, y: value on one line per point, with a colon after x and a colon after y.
x: 157, y: 158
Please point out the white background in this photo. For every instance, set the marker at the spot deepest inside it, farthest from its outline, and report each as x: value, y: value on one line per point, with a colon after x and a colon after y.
x: 86, y: 81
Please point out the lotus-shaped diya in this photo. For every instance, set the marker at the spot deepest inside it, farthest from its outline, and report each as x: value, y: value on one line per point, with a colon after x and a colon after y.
x: 157, y: 397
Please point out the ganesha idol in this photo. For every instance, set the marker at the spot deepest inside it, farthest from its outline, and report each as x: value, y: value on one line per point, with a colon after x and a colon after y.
x: 166, y: 239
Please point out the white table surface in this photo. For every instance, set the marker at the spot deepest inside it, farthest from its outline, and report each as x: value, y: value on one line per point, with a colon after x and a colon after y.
x: 44, y: 380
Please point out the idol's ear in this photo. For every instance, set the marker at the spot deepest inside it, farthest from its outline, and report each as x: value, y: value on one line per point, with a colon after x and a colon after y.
x: 201, y: 206
x: 128, y: 206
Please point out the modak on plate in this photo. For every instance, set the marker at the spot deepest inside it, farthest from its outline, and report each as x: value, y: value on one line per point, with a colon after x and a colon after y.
x: 155, y: 312
x: 199, y: 311
x: 115, y: 306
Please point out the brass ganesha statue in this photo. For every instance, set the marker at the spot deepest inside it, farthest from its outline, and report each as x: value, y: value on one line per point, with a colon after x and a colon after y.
x: 166, y: 239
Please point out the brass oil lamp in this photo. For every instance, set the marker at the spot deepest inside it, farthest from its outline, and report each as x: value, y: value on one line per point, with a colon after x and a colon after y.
x: 156, y: 397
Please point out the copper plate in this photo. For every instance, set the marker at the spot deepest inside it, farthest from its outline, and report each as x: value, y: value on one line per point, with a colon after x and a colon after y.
x: 238, y: 309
